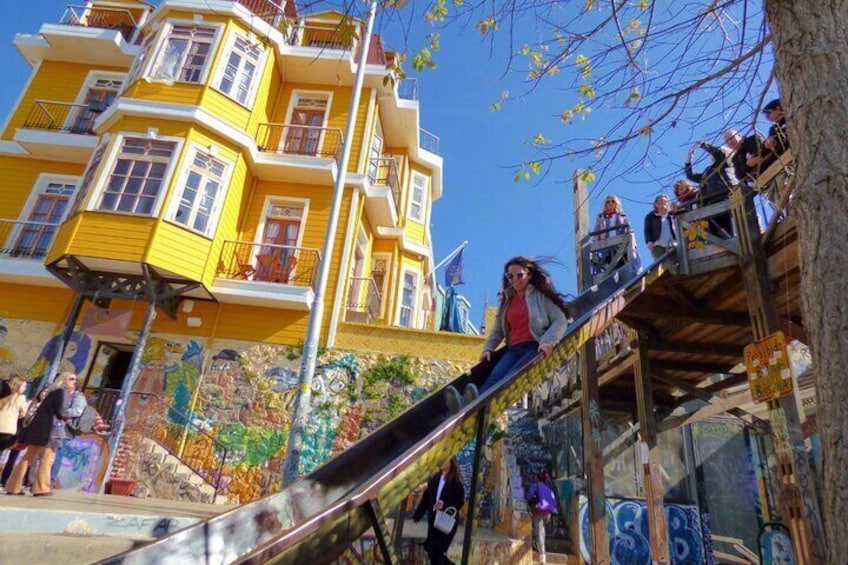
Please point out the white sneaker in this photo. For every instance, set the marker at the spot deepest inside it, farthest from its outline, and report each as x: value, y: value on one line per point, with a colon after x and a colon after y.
x: 453, y: 400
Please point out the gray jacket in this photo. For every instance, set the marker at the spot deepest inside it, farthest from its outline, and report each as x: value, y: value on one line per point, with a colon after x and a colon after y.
x: 547, y: 321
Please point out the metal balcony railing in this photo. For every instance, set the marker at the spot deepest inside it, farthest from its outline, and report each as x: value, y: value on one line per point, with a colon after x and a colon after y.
x: 407, y: 89
x: 270, y: 12
x: 269, y: 263
x: 102, y: 17
x: 26, y: 240
x: 323, y: 37
x: 383, y: 171
x: 310, y: 141
x: 63, y: 116
x: 176, y: 431
x: 429, y: 141
x: 363, y: 300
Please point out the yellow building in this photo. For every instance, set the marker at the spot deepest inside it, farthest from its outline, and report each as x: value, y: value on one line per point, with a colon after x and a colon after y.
x: 184, y: 156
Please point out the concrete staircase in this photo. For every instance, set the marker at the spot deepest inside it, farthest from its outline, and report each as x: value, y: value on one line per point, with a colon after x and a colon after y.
x: 161, y: 474
x: 78, y: 528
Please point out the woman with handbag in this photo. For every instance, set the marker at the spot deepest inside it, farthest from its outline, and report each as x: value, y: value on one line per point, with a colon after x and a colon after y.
x: 42, y: 436
x: 442, y: 501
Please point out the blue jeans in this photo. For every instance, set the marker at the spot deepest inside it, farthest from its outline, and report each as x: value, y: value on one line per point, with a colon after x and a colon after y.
x: 513, y: 358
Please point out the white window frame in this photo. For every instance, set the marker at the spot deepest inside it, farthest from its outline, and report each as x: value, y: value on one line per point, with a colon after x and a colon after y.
x: 140, y: 66
x: 177, y: 192
x: 416, y: 298
x: 425, y: 191
x: 95, y: 167
x: 384, y: 288
x: 224, y: 61
x: 293, y: 103
x: 90, y: 82
x: 284, y: 201
x: 153, y: 62
x: 108, y: 164
x: 38, y: 188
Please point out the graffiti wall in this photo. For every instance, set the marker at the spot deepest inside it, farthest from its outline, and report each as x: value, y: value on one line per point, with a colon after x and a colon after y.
x: 627, y: 524
x: 223, y: 412
x: 26, y: 347
x: 81, y: 463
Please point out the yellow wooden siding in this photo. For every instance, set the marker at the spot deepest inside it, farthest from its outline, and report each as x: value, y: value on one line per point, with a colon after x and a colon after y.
x: 227, y: 229
x: 110, y: 236
x: 178, y: 250
x: 19, y: 178
x: 267, y: 95
x: 177, y: 93
x: 405, y: 341
x: 26, y: 302
x: 55, y: 81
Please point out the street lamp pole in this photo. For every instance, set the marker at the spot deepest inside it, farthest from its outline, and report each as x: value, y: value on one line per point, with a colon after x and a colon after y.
x: 303, y: 400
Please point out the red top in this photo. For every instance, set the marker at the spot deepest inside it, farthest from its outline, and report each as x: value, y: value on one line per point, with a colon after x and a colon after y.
x: 518, y: 318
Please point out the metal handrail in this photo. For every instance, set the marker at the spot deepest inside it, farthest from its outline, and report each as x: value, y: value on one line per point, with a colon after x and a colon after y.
x: 383, y: 171
x: 26, y: 240
x: 292, y: 139
x: 53, y: 115
x: 268, y: 263
x: 102, y: 17
x: 217, y: 445
x: 268, y: 11
x: 429, y: 141
x: 321, y: 37
x: 371, y: 302
x: 407, y: 89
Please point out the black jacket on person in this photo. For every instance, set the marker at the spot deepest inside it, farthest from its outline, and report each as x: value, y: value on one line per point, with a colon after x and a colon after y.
x: 40, y: 431
x: 453, y: 495
x: 717, y: 178
x: 751, y: 146
x: 779, y: 137
x: 653, y: 228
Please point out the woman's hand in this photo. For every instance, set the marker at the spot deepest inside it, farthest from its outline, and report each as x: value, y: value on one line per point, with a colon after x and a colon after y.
x: 486, y: 356
x: 546, y: 348
x: 439, y: 505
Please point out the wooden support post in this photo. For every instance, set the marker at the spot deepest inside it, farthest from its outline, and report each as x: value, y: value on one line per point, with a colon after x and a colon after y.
x: 381, y: 531
x: 52, y: 370
x: 650, y: 455
x: 476, y: 480
x: 593, y: 456
x: 397, y: 529
x: 800, y: 503
x: 590, y: 407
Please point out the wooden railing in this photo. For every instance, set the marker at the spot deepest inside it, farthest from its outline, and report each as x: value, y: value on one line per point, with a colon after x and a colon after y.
x: 268, y: 11
x: 605, y: 251
x: 101, y: 17
x: 309, y: 141
x: 268, y: 263
x: 26, y: 240
x: 323, y: 37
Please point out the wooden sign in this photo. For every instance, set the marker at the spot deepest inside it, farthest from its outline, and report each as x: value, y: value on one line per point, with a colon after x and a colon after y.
x: 768, y: 367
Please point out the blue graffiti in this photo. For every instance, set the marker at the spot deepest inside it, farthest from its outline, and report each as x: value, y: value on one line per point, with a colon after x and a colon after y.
x: 629, y: 539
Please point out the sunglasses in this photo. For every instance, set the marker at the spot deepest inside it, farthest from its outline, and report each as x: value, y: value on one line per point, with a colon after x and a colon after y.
x: 519, y: 275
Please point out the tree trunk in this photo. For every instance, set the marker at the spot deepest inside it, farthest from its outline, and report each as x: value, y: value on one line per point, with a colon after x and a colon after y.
x: 811, y: 48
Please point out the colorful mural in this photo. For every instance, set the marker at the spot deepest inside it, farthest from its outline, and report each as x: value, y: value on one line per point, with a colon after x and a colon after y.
x: 224, y: 412
x: 627, y: 525
x: 83, y: 463
x: 22, y: 342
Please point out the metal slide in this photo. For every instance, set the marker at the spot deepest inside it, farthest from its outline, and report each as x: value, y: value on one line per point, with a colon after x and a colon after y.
x: 317, y: 518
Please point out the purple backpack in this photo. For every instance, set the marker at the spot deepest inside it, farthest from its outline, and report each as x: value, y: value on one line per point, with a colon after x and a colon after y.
x: 542, y: 498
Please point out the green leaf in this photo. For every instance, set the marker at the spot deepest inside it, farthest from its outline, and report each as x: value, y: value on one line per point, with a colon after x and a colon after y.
x: 536, y: 167
x: 586, y: 90
x: 487, y: 25
x: 587, y: 176
x: 495, y: 107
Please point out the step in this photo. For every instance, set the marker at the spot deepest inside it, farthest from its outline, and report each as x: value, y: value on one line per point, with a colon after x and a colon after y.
x: 35, y: 548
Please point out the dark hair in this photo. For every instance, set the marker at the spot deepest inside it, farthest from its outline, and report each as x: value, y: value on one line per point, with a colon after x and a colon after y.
x: 540, y: 278
x: 543, y: 476
x: 454, y: 473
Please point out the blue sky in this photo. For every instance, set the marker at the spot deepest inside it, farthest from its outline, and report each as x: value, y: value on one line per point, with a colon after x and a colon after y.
x: 482, y: 203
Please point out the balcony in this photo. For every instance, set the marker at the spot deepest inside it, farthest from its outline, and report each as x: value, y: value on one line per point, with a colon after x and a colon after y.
x: 383, y: 192
x: 407, y: 89
x: 323, y: 38
x: 59, y: 130
x: 268, y: 275
x: 310, y: 153
x: 363, y: 301
x: 94, y: 34
x: 268, y: 11
x: 23, y: 247
x: 101, y: 17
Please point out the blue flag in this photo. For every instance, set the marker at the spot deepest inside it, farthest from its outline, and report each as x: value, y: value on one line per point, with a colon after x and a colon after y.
x: 453, y: 271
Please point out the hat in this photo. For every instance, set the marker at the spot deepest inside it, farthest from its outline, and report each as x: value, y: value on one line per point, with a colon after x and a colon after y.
x: 773, y: 105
